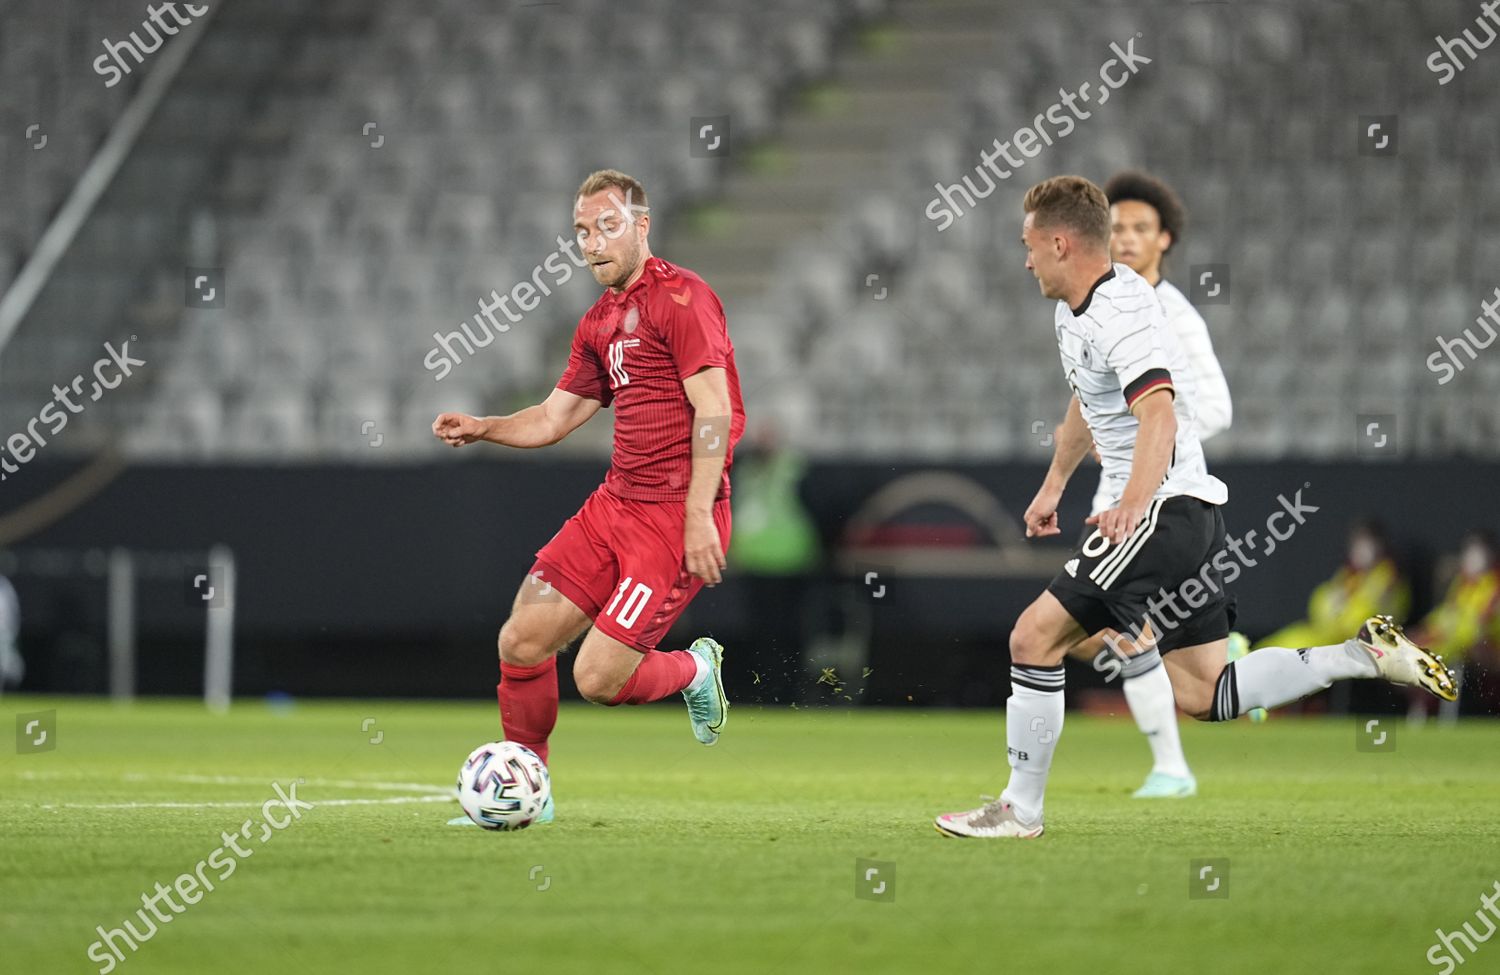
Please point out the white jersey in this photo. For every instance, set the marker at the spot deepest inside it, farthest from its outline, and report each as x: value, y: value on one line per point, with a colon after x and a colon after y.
x: 1115, y: 348
x: 10, y: 612
x: 1212, y: 406
x: 12, y: 667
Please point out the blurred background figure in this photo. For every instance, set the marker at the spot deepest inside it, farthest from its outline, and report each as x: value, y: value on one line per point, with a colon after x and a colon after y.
x: 776, y: 549
x: 1368, y: 583
x: 12, y: 667
x: 1465, y: 626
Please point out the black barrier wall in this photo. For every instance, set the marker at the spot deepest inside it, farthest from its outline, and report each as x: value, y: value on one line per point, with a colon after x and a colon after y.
x: 394, y: 581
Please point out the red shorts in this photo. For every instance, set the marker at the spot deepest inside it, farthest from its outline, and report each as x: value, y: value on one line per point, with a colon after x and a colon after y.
x: 621, y: 562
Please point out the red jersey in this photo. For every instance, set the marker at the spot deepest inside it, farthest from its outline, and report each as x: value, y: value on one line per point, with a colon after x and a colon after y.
x: 632, y: 351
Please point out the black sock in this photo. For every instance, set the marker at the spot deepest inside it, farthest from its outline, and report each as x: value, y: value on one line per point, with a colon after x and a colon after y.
x: 1226, y: 697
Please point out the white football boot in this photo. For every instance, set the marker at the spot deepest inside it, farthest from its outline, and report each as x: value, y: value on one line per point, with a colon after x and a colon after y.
x: 993, y: 819
x: 1402, y: 662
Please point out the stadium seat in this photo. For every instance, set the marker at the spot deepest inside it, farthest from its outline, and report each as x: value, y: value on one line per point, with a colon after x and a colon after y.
x: 344, y: 257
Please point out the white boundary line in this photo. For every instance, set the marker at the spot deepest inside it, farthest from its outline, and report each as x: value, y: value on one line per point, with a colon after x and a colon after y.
x: 237, y: 780
x: 431, y: 793
x: 250, y: 780
x: 393, y: 800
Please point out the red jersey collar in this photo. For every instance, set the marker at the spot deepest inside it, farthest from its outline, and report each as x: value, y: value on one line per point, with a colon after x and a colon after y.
x: 652, y: 264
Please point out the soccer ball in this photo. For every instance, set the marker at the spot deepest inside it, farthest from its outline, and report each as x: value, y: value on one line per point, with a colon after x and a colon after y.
x: 503, y: 785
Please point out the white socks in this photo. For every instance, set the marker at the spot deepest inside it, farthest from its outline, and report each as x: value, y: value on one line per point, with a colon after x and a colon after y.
x: 1273, y: 676
x: 1148, y: 691
x: 700, y: 674
x: 1033, y: 723
x: 1267, y: 678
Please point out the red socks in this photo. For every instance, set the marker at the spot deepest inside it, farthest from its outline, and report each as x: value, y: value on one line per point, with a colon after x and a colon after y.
x: 661, y: 674
x: 528, y: 695
x: 528, y: 703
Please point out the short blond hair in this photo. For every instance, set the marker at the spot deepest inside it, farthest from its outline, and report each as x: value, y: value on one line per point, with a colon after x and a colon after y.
x: 630, y: 188
x: 1073, y: 202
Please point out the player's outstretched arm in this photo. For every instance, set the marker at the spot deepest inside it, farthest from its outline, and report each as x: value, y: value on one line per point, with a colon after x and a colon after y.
x: 542, y: 425
x: 708, y: 391
x: 1073, y: 442
x: 1155, y: 440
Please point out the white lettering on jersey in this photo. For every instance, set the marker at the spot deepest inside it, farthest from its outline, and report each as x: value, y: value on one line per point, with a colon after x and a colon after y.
x: 617, y: 375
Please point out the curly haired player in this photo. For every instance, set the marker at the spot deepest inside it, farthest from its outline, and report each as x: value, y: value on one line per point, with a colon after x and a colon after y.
x: 1164, y: 534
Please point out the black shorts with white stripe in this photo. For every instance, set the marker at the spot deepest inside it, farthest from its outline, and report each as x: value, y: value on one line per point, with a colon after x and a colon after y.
x: 1163, y: 574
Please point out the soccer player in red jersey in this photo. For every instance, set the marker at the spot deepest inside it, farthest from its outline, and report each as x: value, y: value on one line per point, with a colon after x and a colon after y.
x: 656, y: 347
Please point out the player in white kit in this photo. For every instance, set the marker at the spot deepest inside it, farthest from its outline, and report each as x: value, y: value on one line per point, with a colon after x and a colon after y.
x: 1146, y: 221
x: 1161, y: 544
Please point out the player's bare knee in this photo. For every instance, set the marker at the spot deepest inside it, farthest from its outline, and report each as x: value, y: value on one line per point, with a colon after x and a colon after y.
x: 521, y: 648
x: 1029, y: 646
x: 1022, y: 644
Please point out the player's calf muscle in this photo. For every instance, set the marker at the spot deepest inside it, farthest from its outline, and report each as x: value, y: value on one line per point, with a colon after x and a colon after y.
x: 1195, y: 677
x: 604, y: 666
x: 1088, y: 648
x: 598, y: 685
x: 1194, y: 701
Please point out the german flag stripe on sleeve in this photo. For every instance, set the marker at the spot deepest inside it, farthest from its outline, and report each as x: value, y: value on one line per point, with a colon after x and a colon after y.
x: 1147, y: 381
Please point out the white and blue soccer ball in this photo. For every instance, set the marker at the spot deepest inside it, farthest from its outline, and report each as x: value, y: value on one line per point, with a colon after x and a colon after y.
x: 503, y: 785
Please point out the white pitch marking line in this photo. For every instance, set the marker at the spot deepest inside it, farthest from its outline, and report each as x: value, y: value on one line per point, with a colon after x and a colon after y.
x: 243, y: 805
x: 332, y: 783
x: 434, y: 793
x: 248, y: 780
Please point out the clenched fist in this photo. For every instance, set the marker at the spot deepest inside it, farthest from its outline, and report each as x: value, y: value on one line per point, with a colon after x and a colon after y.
x: 457, y: 429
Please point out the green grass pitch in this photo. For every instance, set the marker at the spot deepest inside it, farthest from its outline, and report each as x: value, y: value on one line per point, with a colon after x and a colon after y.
x: 670, y: 857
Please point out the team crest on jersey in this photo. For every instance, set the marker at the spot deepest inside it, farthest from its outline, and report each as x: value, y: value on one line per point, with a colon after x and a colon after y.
x: 632, y: 319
